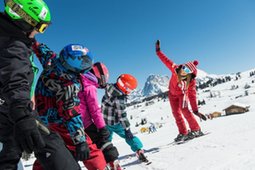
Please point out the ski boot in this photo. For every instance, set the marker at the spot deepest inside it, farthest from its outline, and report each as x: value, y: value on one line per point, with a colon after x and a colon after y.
x: 195, y: 134
x: 114, y: 165
x: 140, y: 155
x: 181, y: 138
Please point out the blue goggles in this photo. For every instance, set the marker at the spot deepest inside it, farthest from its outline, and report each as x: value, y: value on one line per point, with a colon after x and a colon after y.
x: 186, y: 69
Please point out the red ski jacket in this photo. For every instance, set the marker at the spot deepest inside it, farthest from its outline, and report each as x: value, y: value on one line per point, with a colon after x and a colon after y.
x: 179, y: 88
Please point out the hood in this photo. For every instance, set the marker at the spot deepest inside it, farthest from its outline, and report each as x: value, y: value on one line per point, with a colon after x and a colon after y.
x: 89, y: 79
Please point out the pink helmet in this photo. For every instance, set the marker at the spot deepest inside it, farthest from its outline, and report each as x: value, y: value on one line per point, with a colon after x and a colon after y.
x: 101, y: 72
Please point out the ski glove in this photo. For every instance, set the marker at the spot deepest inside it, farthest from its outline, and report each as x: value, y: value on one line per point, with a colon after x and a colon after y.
x: 104, y: 133
x: 200, y: 115
x: 82, y: 151
x: 128, y: 134
x: 157, y: 45
x: 27, y: 134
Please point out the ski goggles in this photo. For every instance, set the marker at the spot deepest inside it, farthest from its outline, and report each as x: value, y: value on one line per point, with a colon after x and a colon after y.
x: 39, y: 26
x: 186, y: 69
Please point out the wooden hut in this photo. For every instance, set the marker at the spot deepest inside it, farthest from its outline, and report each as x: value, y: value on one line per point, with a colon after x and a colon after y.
x: 236, y: 109
x: 215, y: 114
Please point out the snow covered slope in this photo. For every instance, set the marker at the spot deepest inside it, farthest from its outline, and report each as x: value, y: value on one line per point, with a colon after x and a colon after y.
x: 229, y: 146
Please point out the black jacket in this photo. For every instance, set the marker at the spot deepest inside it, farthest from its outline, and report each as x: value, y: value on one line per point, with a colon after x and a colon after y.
x: 16, y: 74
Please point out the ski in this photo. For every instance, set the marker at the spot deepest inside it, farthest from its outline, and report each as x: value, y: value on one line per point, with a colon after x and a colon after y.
x: 183, y: 142
x: 142, y: 160
x: 180, y: 142
x: 145, y: 161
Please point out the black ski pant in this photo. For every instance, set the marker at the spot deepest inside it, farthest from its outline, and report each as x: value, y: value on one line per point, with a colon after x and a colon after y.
x: 55, y: 156
x: 11, y: 152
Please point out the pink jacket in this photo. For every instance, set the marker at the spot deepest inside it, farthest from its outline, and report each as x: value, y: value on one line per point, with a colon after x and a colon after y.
x: 89, y: 106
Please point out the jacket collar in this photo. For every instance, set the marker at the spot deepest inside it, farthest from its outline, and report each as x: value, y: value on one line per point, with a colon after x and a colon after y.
x: 89, y: 79
x: 9, y: 29
x: 113, y: 91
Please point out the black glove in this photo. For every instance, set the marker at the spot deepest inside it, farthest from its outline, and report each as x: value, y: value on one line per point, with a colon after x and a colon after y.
x: 27, y: 134
x: 110, y: 153
x: 128, y: 134
x: 200, y: 115
x: 104, y: 133
x: 157, y: 45
x: 82, y: 151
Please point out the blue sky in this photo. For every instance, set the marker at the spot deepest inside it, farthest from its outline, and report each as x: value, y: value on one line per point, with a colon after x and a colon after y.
x: 220, y: 34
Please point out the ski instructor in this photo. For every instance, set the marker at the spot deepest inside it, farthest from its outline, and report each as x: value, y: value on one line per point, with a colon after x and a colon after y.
x: 182, y: 91
x: 20, y: 130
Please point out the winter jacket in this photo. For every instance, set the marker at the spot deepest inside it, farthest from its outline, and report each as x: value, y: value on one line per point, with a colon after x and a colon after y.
x: 16, y: 70
x: 56, y: 94
x: 89, y: 106
x: 179, y: 88
x: 114, y: 106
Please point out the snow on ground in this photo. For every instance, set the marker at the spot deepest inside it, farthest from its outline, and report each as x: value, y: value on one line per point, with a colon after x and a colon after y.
x: 229, y: 146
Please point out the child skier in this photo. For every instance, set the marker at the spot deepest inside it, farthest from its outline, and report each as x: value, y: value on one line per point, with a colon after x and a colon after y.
x: 92, y: 116
x: 182, y: 90
x: 20, y: 130
x: 58, y: 104
x: 114, y: 110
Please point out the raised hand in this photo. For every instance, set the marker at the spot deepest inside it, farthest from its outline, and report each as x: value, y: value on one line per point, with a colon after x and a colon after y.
x: 157, y: 45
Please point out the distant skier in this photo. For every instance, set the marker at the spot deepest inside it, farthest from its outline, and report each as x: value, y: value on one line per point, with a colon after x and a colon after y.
x: 114, y: 109
x: 152, y: 128
x: 182, y: 90
x: 91, y: 114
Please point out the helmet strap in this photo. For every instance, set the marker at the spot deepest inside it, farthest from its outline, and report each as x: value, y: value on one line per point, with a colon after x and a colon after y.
x: 102, y: 77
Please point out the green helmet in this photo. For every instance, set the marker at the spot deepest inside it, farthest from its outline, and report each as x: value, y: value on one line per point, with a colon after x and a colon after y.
x: 34, y: 12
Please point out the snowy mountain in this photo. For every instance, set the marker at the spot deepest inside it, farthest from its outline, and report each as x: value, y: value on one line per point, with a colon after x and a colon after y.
x: 155, y: 84
x: 135, y: 95
x: 201, y: 74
